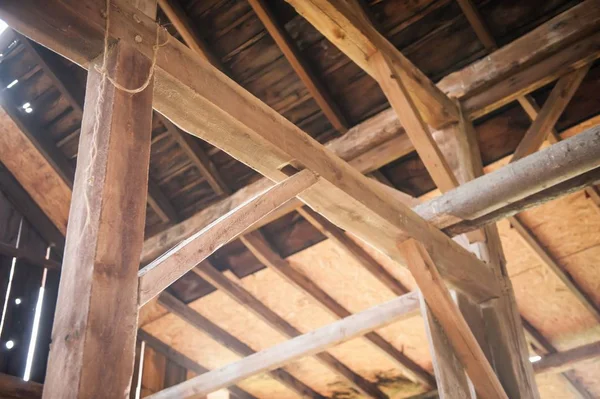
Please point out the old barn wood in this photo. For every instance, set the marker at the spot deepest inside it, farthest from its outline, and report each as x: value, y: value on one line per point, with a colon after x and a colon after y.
x: 284, y: 198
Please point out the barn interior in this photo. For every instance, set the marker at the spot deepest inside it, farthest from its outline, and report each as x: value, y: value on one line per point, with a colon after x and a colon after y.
x: 301, y: 169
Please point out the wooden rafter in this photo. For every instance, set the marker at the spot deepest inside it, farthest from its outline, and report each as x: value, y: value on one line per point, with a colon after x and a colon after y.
x: 198, y: 321
x: 303, y: 345
x: 263, y: 251
x: 184, y: 27
x: 246, y: 299
x: 566, y: 360
x: 199, y: 158
x: 292, y: 54
x: 164, y: 271
x: 554, y: 106
x: 184, y: 361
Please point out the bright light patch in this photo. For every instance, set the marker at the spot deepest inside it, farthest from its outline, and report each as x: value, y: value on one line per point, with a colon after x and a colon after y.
x: 11, y: 84
x: 534, y: 359
x: 18, y: 301
x: 10, y: 344
x: 3, y: 26
x: 26, y: 105
x: 29, y: 110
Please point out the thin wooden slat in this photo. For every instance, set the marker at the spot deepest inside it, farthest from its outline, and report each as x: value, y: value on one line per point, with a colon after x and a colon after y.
x: 232, y: 343
x: 304, y: 345
x: 261, y: 249
x: 165, y: 270
x: 247, y: 300
x: 566, y: 360
x: 292, y: 54
x: 446, y: 312
x: 478, y: 25
x: 554, y: 106
x: 96, y: 302
x: 27, y: 256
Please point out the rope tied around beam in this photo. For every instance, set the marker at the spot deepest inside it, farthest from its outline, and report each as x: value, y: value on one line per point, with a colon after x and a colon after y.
x: 103, y: 70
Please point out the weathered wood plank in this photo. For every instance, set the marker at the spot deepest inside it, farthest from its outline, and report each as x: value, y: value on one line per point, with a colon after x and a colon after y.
x: 554, y: 106
x: 566, y: 360
x: 97, y: 309
x: 15, y: 388
x: 448, y: 315
x: 165, y: 270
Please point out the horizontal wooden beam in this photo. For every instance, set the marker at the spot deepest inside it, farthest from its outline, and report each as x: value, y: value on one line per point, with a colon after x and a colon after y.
x: 9, y: 250
x: 12, y: 387
x: 562, y: 361
x: 165, y: 270
x: 304, y: 345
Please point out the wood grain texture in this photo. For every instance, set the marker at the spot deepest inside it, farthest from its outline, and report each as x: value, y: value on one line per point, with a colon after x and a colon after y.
x: 302, y: 69
x: 232, y: 343
x: 304, y: 345
x: 554, y: 106
x: 350, y: 30
x: 448, y: 315
x: 165, y: 270
x: 247, y: 300
x: 97, y: 310
x: 566, y: 360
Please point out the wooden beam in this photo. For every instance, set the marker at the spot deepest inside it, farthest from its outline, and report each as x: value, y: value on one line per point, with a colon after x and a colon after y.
x: 194, y: 318
x: 478, y: 25
x: 338, y: 236
x: 247, y: 300
x: 185, y: 361
x: 566, y: 360
x: 346, y: 26
x: 160, y: 204
x: 542, y: 346
x: 296, y: 348
x: 388, y: 76
x: 292, y: 54
x: 12, y: 387
x: 446, y: 312
x: 520, y: 186
x: 546, y: 259
x: 97, y: 309
x: 553, y: 49
x: 165, y: 270
x: 184, y: 27
x: 9, y: 250
x: 554, y: 106
x: 199, y: 158
x: 261, y: 249
x: 40, y: 179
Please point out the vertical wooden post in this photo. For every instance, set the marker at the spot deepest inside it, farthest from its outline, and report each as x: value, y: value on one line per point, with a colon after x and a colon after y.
x: 496, y: 325
x: 93, y: 340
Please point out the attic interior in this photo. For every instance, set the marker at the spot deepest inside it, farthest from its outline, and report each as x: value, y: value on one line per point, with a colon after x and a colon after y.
x: 300, y: 198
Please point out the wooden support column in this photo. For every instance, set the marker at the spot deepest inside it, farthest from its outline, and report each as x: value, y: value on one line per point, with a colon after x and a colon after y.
x: 93, y: 340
